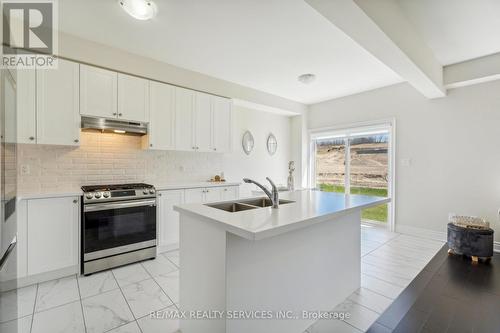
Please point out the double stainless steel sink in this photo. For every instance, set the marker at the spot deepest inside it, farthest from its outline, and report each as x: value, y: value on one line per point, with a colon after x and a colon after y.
x: 247, y: 204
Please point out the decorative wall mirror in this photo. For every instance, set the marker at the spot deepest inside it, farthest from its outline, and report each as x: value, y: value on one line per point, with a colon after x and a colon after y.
x: 272, y: 144
x: 247, y: 142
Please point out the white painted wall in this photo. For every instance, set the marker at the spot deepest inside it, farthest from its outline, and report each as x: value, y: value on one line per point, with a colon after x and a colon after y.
x: 259, y: 163
x: 453, y: 144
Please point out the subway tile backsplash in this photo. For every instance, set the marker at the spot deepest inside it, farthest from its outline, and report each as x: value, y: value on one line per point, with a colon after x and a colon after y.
x: 108, y: 158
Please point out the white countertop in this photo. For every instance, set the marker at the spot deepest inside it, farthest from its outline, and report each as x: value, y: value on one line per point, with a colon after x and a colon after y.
x: 309, y: 207
x: 76, y: 191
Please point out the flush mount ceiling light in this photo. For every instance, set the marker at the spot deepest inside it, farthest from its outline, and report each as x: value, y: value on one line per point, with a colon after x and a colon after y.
x: 139, y: 9
x: 306, y: 78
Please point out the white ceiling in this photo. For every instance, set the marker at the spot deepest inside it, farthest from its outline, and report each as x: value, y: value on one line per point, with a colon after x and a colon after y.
x: 262, y: 44
x: 456, y: 30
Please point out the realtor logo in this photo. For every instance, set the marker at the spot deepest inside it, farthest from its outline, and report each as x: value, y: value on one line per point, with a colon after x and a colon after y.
x: 29, y: 33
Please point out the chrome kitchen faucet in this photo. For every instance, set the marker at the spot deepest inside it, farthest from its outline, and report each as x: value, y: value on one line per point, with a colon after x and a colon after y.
x: 273, y: 196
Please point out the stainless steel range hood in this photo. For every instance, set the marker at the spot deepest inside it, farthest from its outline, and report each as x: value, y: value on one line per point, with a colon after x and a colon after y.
x: 114, y: 126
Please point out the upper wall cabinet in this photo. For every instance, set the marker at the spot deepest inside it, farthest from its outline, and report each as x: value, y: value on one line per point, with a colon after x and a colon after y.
x: 98, y: 92
x: 133, y: 98
x: 26, y: 106
x: 57, y: 101
x: 184, y: 106
x: 222, y: 124
x: 203, y: 122
x: 161, y: 134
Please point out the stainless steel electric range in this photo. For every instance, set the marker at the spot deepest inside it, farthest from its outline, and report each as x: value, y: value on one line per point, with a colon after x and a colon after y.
x: 118, y: 225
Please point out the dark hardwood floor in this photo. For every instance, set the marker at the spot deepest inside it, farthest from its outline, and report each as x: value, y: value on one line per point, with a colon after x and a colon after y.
x: 449, y: 295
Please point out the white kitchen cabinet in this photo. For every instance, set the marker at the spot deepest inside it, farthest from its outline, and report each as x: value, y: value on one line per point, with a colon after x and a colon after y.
x: 222, y: 124
x: 213, y: 194
x: 98, y: 92
x: 26, y: 106
x: 203, y: 122
x: 133, y: 98
x: 161, y: 132
x: 184, y: 104
x: 57, y: 104
x: 193, y: 195
x: 229, y: 193
x: 52, y: 233
x: 168, y: 219
x: 168, y: 233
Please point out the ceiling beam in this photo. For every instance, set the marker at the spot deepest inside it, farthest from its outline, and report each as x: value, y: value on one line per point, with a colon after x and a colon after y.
x: 381, y: 28
x: 473, y: 71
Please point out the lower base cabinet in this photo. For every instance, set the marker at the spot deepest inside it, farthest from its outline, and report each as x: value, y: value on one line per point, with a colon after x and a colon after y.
x: 52, y: 234
x: 168, y: 226
x: 168, y: 219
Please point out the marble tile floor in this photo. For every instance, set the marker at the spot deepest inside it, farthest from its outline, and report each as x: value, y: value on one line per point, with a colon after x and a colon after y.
x: 120, y: 300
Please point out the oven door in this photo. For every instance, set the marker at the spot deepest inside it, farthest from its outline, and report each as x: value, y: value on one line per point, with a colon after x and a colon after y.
x: 118, y: 227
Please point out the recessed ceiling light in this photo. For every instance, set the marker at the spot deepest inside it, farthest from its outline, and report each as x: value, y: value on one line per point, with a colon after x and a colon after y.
x: 306, y: 78
x: 139, y: 9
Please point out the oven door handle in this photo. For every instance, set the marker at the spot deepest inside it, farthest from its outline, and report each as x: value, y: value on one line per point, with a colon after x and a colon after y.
x: 118, y: 205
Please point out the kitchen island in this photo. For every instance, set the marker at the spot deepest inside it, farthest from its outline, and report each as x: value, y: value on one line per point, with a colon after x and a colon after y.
x: 246, y: 268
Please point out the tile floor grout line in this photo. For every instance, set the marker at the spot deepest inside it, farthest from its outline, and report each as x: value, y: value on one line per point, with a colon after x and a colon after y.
x: 81, y: 304
x: 173, y: 303
x: 34, y: 307
x: 125, y: 298
x: 173, y: 263
x: 114, y: 328
x: 371, y: 275
x: 378, y: 293
x: 362, y: 305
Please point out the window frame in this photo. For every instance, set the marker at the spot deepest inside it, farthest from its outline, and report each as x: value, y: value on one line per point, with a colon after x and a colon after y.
x: 352, y: 130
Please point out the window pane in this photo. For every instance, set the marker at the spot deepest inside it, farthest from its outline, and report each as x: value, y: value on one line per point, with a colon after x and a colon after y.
x: 330, y: 165
x: 369, y: 174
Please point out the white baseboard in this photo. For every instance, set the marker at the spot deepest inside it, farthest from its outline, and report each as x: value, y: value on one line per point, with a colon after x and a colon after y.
x: 421, y: 232
x: 431, y: 234
x: 167, y: 248
x: 38, y: 278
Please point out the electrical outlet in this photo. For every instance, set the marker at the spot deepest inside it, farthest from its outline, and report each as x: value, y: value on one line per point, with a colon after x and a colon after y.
x: 25, y: 170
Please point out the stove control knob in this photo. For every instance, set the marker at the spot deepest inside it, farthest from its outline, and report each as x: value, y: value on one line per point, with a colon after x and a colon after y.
x: 145, y: 192
x: 97, y: 195
x: 105, y: 194
x: 89, y: 195
x: 151, y: 191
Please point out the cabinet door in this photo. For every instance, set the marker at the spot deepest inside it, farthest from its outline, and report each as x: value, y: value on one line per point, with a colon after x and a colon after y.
x: 213, y: 194
x: 168, y: 219
x: 162, y: 116
x: 133, y: 98
x: 194, y: 195
x: 98, y: 92
x: 203, y: 122
x: 26, y: 106
x: 184, y: 100
x: 57, y: 100
x: 230, y: 193
x: 222, y: 124
x: 52, y: 233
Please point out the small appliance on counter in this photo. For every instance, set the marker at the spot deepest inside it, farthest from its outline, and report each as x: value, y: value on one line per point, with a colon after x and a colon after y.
x: 118, y: 225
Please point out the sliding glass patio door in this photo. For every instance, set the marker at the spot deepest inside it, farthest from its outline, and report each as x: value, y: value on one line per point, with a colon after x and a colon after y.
x: 356, y: 161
